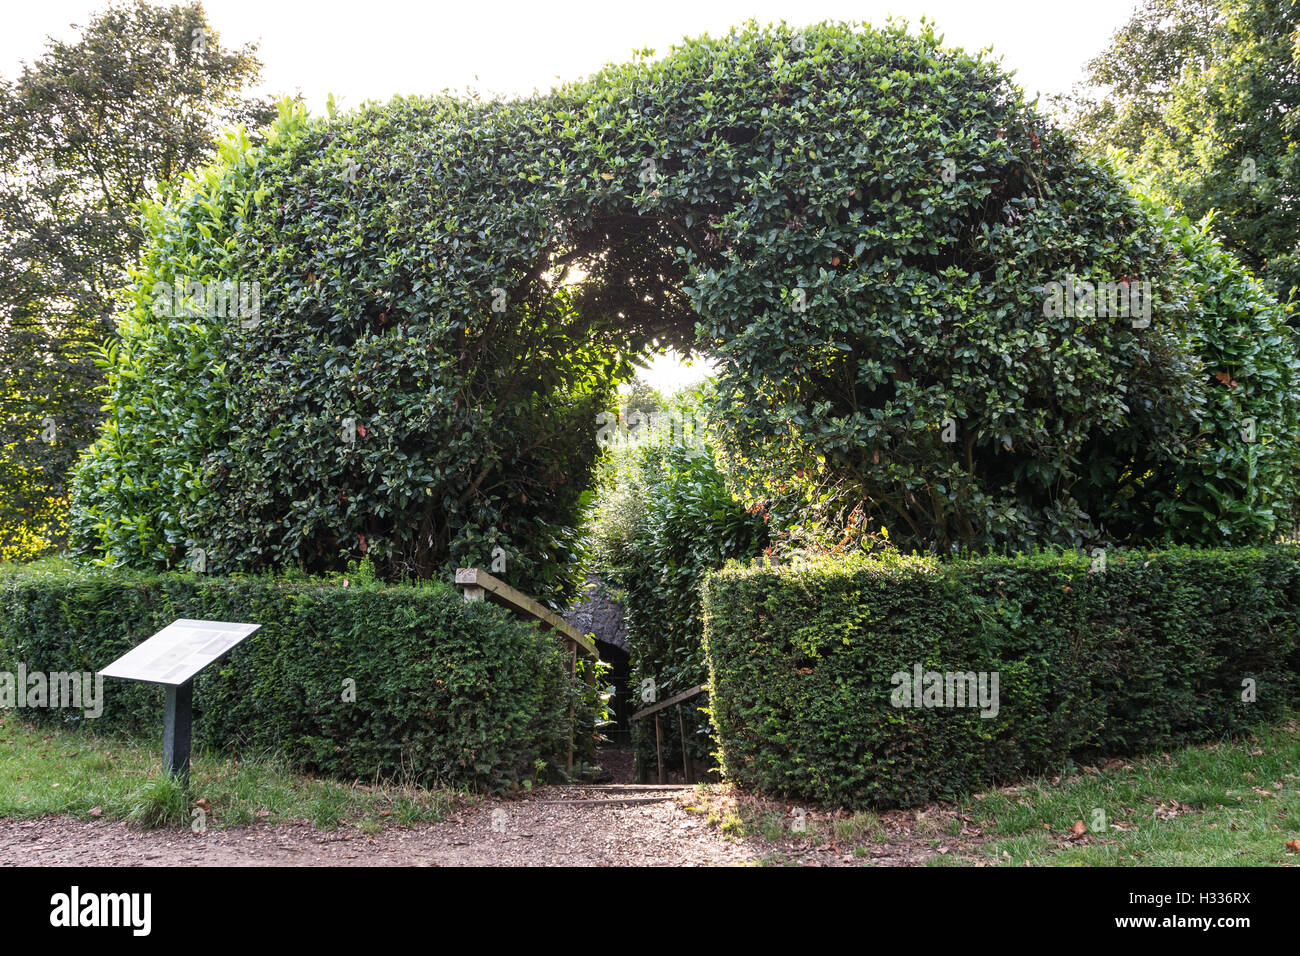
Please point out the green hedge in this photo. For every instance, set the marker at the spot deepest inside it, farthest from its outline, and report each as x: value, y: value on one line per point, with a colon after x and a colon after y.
x: 1149, y: 653
x: 446, y: 692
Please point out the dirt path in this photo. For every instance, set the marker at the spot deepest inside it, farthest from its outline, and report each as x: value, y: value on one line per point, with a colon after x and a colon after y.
x: 529, y: 832
x: 541, y: 830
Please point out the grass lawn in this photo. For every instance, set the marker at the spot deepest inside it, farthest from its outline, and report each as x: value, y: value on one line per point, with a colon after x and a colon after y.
x: 46, y: 770
x: 1235, y: 803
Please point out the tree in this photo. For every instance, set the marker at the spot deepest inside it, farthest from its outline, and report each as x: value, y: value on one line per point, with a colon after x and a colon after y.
x: 1129, y: 85
x: 1202, y: 104
x: 88, y: 132
x: 1230, y: 145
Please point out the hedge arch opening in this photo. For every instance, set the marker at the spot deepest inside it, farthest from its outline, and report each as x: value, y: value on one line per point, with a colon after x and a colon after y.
x: 859, y: 225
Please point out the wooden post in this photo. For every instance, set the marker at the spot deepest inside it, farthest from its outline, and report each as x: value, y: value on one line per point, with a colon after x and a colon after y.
x: 688, y: 772
x: 657, y: 710
x: 573, y: 670
x: 659, y: 747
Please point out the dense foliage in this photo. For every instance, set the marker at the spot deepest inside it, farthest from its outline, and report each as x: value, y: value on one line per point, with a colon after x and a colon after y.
x: 1151, y: 650
x: 1231, y: 144
x: 860, y: 224
x: 442, y: 691
x: 86, y: 132
x: 666, y: 518
x: 1128, y: 87
x: 1235, y: 480
x: 345, y: 411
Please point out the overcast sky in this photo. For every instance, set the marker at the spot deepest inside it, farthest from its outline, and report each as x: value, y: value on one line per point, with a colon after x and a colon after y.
x: 374, y: 49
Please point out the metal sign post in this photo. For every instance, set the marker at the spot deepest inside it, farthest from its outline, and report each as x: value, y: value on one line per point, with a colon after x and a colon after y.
x: 173, y: 657
x: 178, y: 719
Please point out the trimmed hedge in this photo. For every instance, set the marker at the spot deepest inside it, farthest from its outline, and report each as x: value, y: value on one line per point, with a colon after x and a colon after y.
x: 1149, y: 653
x: 446, y: 692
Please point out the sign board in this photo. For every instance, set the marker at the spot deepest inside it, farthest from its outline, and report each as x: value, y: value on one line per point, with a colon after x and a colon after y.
x: 172, y: 657
x: 179, y: 651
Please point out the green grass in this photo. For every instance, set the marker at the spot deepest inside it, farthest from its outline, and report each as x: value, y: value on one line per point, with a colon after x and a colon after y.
x: 1235, y: 803
x: 47, y: 770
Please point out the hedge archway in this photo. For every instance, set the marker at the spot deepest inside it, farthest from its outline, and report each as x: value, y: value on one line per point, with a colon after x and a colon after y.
x: 856, y: 222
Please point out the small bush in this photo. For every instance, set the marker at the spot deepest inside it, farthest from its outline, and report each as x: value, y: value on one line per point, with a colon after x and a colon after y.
x: 1154, y: 651
x: 445, y: 692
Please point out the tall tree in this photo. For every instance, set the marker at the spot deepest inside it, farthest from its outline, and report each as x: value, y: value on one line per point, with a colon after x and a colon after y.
x: 1200, y: 98
x: 1129, y: 85
x: 1230, y: 141
x: 87, y: 132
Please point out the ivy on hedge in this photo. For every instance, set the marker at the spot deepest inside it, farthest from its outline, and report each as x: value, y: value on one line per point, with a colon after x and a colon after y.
x: 445, y: 692
x: 1155, y: 651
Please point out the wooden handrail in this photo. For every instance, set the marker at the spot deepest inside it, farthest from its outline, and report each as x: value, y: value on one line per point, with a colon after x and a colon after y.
x: 688, y: 773
x: 675, y: 699
x: 478, y: 585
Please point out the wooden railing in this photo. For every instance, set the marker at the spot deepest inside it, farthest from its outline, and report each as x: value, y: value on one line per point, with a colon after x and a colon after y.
x: 688, y: 771
x: 479, y: 585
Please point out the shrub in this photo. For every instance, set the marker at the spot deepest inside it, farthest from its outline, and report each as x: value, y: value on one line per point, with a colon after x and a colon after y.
x: 299, y: 382
x: 445, y: 692
x: 1236, y: 483
x: 1151, y: 652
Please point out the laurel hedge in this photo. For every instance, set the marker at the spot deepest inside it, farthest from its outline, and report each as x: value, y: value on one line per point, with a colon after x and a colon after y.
x: 858, y: 223
x: 443, y: 692
x: 1148, y: 651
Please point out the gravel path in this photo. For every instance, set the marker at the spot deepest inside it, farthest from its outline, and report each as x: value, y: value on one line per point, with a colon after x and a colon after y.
x: 495, y: 833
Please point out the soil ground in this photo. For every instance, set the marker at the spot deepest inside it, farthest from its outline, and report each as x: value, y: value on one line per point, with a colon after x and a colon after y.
x: 680, y: 830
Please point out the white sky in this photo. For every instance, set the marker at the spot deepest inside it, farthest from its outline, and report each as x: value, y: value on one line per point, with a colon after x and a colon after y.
x: 374, y: 49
